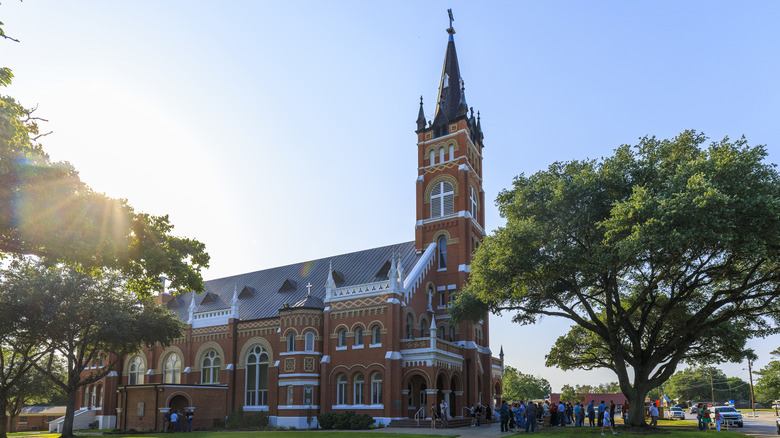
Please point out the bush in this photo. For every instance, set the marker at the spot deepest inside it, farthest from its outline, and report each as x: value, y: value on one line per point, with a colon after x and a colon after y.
x: 345, y: 421
x: 238, y: 420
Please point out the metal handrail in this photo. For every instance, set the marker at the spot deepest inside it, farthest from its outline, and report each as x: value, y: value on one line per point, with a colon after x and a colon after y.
x: 417, y: 415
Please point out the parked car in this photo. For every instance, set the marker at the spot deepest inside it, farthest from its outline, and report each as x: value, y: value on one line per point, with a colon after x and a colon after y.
x: 677, y: 413
x: 694, y: 410
x: 729, y: 414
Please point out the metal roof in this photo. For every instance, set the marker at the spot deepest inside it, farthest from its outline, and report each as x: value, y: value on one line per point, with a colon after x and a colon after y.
x: 263, y: 298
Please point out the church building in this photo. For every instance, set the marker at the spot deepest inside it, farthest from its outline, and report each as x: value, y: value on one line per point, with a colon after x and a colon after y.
x: 367, y: 331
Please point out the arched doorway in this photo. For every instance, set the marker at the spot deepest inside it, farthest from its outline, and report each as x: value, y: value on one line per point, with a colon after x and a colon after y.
x: 455, y: 408
x: 178, y: 403
x: 417, y: 398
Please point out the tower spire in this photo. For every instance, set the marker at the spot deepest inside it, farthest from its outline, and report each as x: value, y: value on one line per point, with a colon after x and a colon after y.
x: 421, y: 116
x: 449, y: 86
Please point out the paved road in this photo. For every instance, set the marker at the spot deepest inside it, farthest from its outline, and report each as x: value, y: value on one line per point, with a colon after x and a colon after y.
x: 762, y: 426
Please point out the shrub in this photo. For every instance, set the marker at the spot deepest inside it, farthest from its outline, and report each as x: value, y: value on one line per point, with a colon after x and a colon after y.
x: 238, y: 420
x: 345, y: 421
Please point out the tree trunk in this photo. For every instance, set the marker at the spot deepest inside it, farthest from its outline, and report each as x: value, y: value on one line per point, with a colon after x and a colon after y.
x: 3, y: 416
x: 70, y: 411
x: 636, y: 408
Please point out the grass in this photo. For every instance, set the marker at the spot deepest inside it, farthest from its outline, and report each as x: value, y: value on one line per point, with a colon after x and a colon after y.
x: 281, y: 434
x: 666, y: 429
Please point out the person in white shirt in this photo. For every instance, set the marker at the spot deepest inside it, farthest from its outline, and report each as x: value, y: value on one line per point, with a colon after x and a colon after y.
x: 653, y: 415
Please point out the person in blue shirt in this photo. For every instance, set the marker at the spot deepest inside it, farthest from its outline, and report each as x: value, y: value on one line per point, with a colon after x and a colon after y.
x: 577, y: 415
x: 591, y: 413
x: 602, y: 410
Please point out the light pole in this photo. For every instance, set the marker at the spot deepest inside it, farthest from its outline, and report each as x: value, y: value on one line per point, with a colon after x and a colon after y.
x: 752, y: 398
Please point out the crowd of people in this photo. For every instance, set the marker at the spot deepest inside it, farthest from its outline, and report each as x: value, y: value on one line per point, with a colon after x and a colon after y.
x: 177, y: 421
x: 526, y: 414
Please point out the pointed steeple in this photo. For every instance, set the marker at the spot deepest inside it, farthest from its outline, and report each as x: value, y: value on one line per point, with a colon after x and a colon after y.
x: 330, y: 283
x: 421, y: 116
x: 234, y: 302
x: 449, y: 86
x: 191, y: 315
x: 463, y: 109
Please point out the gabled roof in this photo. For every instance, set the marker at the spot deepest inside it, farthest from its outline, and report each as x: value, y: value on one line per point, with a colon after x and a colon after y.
x: 43, y: 410
x: 246, y: 292
x: 264, y: 301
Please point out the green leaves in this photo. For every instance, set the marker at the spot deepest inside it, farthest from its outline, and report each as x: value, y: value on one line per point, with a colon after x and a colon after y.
x: 47, y: 211
x: 651, y: 253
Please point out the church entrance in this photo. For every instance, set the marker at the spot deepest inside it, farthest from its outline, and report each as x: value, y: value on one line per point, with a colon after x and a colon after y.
x: 418, y: 397
x: 178, y: 403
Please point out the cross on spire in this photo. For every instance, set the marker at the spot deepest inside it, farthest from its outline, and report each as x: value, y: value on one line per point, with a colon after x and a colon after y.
x: 308, y: 287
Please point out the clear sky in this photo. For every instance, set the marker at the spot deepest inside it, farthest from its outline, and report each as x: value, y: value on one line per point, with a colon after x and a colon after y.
x: 277, y: 132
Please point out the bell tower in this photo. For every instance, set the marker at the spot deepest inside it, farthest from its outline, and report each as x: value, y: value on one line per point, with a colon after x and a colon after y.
x: 450, y: 198
x: 451, y: 214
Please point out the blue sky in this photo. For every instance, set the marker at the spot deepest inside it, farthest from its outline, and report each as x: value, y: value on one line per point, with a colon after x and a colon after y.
x: 277, y: 132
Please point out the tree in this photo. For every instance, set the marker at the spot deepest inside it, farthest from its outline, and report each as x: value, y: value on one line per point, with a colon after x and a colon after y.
x: 32, y: 389
x: 702, y: 382
x: 664, y: 252
x: 47, y: 211
x: 767, y: 387
x: 89, y: 318
x: 519, y: 386
x: 21, y: 321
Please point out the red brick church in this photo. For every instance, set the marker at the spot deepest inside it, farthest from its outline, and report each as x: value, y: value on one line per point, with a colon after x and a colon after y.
x: 367, y: 331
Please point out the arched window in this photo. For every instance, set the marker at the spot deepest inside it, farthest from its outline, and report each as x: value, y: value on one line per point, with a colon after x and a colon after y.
x: 376, y: 389
x: 409, y: 326
x: 257, y: 377
x: 442, y: 246
x: 442, y: 199
x: 136, y: 371
x: 99, y: 396
x: 452, y: 152
x: 291, y: 342
x: 86, y: 398
x: 309, y: 344
x: 290, y: 394
x: 442, y: 332
x: 341, y: 389
x: 452, y: 333
x: 376, y: 335
x: 433, y: 158
x: 473, y: 199
x: 424, y: 328
x: 209, y: 372
x: 172, y: 369
x: 342, y: 338
x: 92, y: 395
x: 441, y: 155
x: 442, y: 298
x: 359, y: 336
x: 357, y: 396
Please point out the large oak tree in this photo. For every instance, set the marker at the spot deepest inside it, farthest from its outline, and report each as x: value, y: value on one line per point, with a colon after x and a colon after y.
x: 665, y: 252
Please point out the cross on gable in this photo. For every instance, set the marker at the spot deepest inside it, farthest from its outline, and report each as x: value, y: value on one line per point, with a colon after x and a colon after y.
x: 308, y: 287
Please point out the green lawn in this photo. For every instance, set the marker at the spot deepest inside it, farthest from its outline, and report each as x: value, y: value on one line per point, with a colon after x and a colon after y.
x: 667, y: 428
x: 283, y: 434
